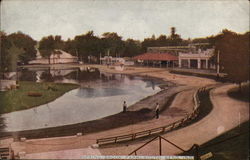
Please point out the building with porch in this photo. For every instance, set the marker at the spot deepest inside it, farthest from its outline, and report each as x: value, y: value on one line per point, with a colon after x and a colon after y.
x: 199, y: 60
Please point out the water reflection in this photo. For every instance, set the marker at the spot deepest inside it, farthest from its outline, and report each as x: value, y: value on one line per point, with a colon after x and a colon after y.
x: 58, y: 75
x: 99, y: 95
x: 2, y: 124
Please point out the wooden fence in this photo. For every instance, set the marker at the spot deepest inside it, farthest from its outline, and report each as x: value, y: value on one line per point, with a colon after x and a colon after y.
x: 159, y: 130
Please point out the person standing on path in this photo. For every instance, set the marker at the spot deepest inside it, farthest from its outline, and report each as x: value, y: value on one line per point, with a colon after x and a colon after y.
x: 124, y: 106
x: 157, y: 110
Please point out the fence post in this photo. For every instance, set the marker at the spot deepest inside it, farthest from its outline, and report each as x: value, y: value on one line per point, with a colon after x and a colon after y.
x: 160, y: 145
x: 163, y: 129
x: 196, y: 149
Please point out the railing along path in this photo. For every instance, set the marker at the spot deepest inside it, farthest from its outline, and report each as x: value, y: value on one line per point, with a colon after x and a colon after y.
x: 159, y: 130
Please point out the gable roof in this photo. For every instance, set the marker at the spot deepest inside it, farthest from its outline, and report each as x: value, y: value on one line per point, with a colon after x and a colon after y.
x: 156, y: 57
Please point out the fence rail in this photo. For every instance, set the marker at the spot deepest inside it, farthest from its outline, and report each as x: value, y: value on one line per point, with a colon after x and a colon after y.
x: 158, y: 130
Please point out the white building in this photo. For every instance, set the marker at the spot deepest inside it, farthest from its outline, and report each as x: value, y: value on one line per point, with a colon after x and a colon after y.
x: 58, y: 56
x: 198, y: 59
x: 114, y: 60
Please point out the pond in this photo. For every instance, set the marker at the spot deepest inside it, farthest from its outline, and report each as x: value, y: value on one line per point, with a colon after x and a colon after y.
x: 99, y: 95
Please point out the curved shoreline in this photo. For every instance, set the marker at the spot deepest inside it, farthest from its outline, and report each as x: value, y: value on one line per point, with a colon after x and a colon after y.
x: 135, y: 114
x: 47, y: 101
x: 138, y: 113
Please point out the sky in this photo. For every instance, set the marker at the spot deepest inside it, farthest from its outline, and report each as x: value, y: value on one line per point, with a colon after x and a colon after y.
x: 137, y: 19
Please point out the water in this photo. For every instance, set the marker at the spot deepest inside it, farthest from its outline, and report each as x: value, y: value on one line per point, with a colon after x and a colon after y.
x: 99, y: 95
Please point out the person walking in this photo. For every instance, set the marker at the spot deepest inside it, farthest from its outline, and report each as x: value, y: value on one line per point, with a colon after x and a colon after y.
x: 157, y: 110
x: 124, y: 106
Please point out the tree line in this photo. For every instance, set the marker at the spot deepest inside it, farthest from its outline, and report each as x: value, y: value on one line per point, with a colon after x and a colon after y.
x: 21, y: 48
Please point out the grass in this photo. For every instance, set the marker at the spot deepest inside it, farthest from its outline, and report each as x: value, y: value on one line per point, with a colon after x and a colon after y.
x: 230, y: 149
x: 19, y: 99
x: 240, y: 93
x: 232, y: 145
x: 223, y: 147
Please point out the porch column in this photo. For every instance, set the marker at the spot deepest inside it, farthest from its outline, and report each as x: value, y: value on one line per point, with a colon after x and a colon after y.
x: 188, y: 63
x: 206, y: 63
x: 199, y: 63
x: 179, y: 63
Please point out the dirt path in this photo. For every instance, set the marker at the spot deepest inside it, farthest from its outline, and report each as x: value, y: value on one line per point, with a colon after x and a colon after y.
x: 234, y: 112
x: 69, y: 143
x: 226, y: 114
x: 181, y: 105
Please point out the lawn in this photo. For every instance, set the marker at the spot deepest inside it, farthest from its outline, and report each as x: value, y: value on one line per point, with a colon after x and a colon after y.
x: 240, y: 93
x: 232, y: 145
x: 31, y: 94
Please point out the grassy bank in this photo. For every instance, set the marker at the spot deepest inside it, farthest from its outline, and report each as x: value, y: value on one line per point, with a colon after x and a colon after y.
x: 240, y: 93
x: 231, y: 145
x: 31, y: 94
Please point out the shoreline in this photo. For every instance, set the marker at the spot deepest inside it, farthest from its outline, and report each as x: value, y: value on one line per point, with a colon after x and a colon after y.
x: 137, y: 112
x: 73, y: 86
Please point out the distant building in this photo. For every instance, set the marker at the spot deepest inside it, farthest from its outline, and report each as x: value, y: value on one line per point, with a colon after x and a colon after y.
x: 57, y: 57
x: 157, y: 59
x: 175, y: 50
x: 196, y: 55
x: 199, y: 60
x: 114, y: 60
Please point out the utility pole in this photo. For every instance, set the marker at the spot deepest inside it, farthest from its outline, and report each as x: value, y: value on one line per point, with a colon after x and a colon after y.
x: 218, y: 64
x: 100, y: 58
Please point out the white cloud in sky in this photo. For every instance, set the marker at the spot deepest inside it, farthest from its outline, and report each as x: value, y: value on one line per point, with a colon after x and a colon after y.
x: 130, y: 19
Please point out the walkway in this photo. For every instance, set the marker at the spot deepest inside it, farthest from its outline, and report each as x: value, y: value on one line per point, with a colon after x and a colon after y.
x: 226, y: 114
x: 173, y: 113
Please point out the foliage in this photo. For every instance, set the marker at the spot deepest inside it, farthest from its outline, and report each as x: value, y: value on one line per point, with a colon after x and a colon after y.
x: 26, y: 43
x: 86, y: 45
x: 18, y: 99
x: 5, y: 46
x: 113, y: 43
x: 234, y: 54
x: 163, y: 40
x: 47, y: 45
x: 16, y: 47
x: 131, y: 48
x: 230, y: 148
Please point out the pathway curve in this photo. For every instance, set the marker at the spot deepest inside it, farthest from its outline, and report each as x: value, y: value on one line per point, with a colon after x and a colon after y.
x: 227, y: 113
x: 178, y: 109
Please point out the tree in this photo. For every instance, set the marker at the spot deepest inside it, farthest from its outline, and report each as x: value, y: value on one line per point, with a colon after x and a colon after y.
x: 47, y: 46
x: 70, y: 47
x: 148, y: 42
x: 87, y: 45
x: 59, y: 43
x: 16, y: 47
x: 174, y: 39
x: 234, y: 54
x: 132, y: 48
x: 113, y: 43
x: 26, y: 43
x: 5, y: 46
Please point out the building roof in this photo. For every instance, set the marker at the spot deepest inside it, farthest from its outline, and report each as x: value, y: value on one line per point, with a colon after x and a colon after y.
x: 156, y: 57
x: 61, y: 54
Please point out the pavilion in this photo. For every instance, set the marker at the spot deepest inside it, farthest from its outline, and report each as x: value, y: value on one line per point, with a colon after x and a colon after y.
x: 157, y: 59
